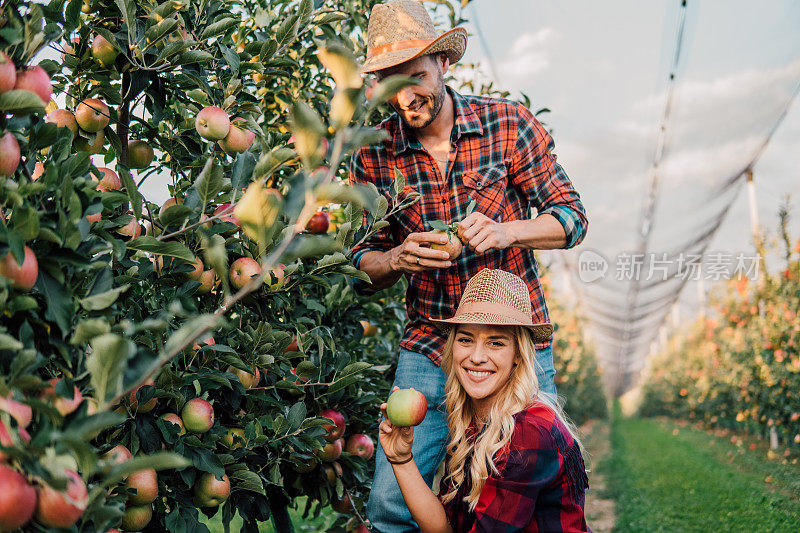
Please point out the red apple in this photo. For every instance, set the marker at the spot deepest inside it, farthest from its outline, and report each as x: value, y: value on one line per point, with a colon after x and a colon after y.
x: 62, y: 509
x: 361, y: 445
x: 63, y: 119
x: 229, y: 216
x: 331, y: 451
x: 343, y: 505
x: 103, y: 51
x: 238, y: 139
x: 210, y: 491
x: 173, y: 418
x: 145, y: 482
x: 406, y: 407
x: 8, y: 441
x: 21, y: 277
x: 17, y: 499
x: 197, y: 415
x: 131, y: 229
x: 117, y: 455
x: 63, y: 405
x: 332, y: 471
x: 137, y: 517
x: 278, y: 273
x: 93, y: 145
x: 336, y: 430
x: 147, y: 407
x: 110, y: 180
x: 293, y: 347
x: 197, y: 272
x: 9, y: 155
x: 140, y: 154
x: 318, y: 223
x: 243, y: 270
x: 247, y: 379
x: 35, y: 80
x: 212, y: 123
x: 92, y: 115
x: 208, y: 280
x: 8, y: 73
x: 167, y: 204
x: 20, y: 412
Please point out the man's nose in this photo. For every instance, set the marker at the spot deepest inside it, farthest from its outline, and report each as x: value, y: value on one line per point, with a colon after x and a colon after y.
x: 405, y: 97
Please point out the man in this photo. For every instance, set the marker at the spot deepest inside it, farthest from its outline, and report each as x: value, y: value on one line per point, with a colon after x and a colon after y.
x: 452, y: 149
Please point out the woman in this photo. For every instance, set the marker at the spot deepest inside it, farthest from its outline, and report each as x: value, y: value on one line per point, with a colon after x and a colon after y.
x: 513, y: 462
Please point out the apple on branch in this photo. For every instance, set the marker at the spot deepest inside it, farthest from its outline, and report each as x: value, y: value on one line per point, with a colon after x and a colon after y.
x: 318, y: 223
x: 62, y: 508
x: 360, y: 445
x: 210, y: 491
x: 110, y: 180
x: 336, y: 430
x: 103, y: 51
x: 63, y: 119
x: 239, y: 139
x: 145, y: 483
x: 8, y: 73
x: 92, y: 115
x: 243, y: 270
x: 212, y: 123
x: 137, y: 517
x: 197, y: 415
x: 22, y: 277
x: 35, y: 80
x: 9, y: 155
x: 17, y: 499
x: 140, y: 154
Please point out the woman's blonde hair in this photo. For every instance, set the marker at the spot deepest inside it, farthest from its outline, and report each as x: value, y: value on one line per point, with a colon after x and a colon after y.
x: 476, y: 454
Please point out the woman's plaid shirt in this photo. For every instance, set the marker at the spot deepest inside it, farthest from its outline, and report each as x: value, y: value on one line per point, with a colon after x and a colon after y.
x: 502, y: 158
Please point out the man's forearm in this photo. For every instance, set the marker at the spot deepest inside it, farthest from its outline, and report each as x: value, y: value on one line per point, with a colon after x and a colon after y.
x: 378, y: 266
x: 544, y: 232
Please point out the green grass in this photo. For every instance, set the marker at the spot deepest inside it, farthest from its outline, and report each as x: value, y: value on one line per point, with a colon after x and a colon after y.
x: 664, y: 478
x: 319, y: 523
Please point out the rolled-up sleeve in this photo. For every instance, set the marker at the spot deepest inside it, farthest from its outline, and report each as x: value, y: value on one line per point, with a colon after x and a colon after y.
x: 535, y: 171
x: 361, y: 173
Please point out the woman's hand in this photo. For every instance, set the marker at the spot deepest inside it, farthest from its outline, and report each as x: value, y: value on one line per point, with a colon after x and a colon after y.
x: 395, y: 441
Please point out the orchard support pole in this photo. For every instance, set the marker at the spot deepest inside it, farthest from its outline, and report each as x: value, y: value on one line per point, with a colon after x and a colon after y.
x: 751, y: 195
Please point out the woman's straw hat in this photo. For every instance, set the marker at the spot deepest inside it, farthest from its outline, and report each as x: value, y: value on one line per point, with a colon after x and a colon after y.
x: 401, y: 30
x: 498, y: 298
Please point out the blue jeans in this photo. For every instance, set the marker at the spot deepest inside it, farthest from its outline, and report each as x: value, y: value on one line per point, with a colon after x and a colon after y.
x: 386, y: 509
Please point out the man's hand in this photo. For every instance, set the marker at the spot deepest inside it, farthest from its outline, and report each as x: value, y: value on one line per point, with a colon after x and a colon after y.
x: 481, y: 233
x: 416, y: 255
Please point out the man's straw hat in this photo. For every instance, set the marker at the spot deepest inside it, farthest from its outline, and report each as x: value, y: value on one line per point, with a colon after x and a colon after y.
x: 498, y: 298
x: 401, y: 30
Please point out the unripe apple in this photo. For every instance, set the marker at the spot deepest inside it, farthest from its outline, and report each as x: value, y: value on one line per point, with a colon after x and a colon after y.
x: 140, y: 154
x: 62, y: 509
x: 331, y: 451
x: 8, y: 73
x: 167, y: 204
x: 131, y: 229
x: 17, y: 499
x: 247, y: 379
x: 210, y: 491
x: 197, y: 415
x: 208, y: 280
x: 93, y: 145
x: 243, y: 270
x: 335, y: 430
x: 231, y: 438
x: 22, y: 277
x: 103, y: 51
x: 19, y: 411
x: 239, y: 139
x: 370, y: 330
x: 116, y: 456
x: 406, y: 407
x: 318, y: 223
x: 9, y: 155
x: 173, y: 418
x: 92, y: 115
x: 110, y: 180
x: 63, y: 119
x: 453, y: 247
x: 212, y: 123
x: 35, y: 80
x: 361, y: 445
x: 137, y: 517
x: 148, y: 406
x: 145, y: 482
x: 63, y: 405
x: 332, y: 471
x: 6, y: 440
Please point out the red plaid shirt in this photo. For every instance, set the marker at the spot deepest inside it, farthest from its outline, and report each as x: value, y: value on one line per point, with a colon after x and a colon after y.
x: 540, y: 486
x: 501, y: 157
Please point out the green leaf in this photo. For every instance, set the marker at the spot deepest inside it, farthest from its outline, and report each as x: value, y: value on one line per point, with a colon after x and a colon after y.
x: 158, y: 461
x: 390, y: 87
x: 189, y: 332
x: 107, y: 363
x: 219, y: 27
x: 248, y: 480
x: 272, y: 161
x: 194, y: 56
x: 88, y: 428
x: 21, y: 102
x: 398, y: 184
x: 60, y: 308
x: 128, y: 10
x: 96, y: 302
x: 174, y: 215
x: 7, y: 342
x: 132, y: 190
x: 287, y: 30
x: 150, y: 244
x: 26, y: 222
x: 353, y: 272
x: 349, y: 375
x: 297, y: 413
x: 88, y: 329
x: 209, y: 183
x: 438, y: 224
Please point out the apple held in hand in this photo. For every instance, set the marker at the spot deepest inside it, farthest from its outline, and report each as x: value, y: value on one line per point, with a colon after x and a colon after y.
x: 453, y: 247
x: 210, y: 491
x: 336, y: 430
x: 17, y: 499
x: 92, y: 115
x: 212, y: 123
x: 406, y: 407
x: 9, y: 155
x: 360, y: 445
x: 21, y: 277
x: 243, y: 270
x: 197, y: 415
x: 35, y: 80
x: 62, y: 509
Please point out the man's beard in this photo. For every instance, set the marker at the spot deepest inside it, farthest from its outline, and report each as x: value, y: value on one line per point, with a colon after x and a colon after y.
x: 435, y: 108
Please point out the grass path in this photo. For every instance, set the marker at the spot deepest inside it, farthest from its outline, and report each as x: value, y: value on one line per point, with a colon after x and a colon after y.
x: 667, y: 478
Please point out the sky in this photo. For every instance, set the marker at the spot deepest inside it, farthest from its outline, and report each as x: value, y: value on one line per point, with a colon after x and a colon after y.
x: 602, y: 68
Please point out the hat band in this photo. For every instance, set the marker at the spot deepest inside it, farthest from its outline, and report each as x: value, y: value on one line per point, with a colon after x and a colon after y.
x: 494, y: 308
x: 398, y: 45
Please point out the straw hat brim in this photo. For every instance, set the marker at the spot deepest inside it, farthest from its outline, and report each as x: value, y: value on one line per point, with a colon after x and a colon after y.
x: 539, y: 332
x: 452, y: 42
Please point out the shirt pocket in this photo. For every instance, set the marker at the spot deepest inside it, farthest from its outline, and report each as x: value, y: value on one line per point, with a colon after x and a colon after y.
x: 487, y: 186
